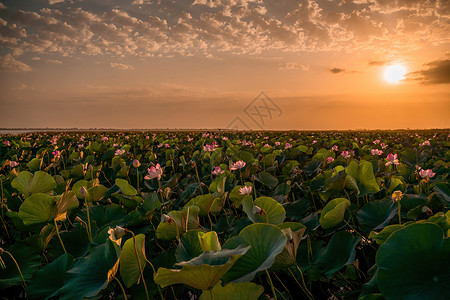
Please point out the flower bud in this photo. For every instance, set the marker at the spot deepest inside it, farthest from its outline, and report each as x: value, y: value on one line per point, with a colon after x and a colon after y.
x: 83, y: 192
x: 397, y: 196
x: 136, y: 163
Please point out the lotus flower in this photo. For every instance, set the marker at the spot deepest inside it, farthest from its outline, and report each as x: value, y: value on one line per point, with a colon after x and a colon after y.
x: 258, y: 210
x: 277, y: 143
x: 13, y: 164
x: 425, y: 143
x: 116, y: 234
x: 7, y: 143
x: 426, y: 174
x: 376, y: 142
x: 166, y: 219
x: 287, y: 146
x: 397, y: 196
x: 105, y: 138
x: 119, y: 152
x: 56, y: 153
x: 345, y: 154
x: 246, y: 190
x: 217, y: 171
x: 383, y: 146
x: 83, y: 192
x: 335, y: 148
x: 376, y: 152
x: 330, y: 159
x: 392, y: 159
x: 154, y: 172
x: 237, y: 165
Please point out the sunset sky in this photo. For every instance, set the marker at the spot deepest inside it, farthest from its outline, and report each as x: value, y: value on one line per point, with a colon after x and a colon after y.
x: 200, y: 64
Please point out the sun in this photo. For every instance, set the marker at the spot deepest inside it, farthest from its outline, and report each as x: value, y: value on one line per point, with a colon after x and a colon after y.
x: 394, y: 73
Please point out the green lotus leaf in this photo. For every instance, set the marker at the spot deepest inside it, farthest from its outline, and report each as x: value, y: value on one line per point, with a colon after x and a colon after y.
x: 207, y: 204
x: 189, y: 246
x: 383, y: 235
x: 413, y: 263
x: 202, y: 272
x: 333, y: 213
x: 28, y: 184
x: 376, y: 215
x: 130, y: 271
x: 38, y: 208
x: 274, y: 212
x: 34, y: 164
x: 126, y: 188
x: 28, y: 260
x: 267, y: 179
x: 363, y: 176
x: 89, y: 275
x: 209, y: 241
x: 266, y: 242
x: 339, y: 252
x: 182, y: 221
x: 233, y: 291
x: 48, y: 280
x: 103, y: 214
x: 96, y: 193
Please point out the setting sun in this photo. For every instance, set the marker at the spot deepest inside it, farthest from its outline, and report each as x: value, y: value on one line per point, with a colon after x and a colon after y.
x: 394, y: 73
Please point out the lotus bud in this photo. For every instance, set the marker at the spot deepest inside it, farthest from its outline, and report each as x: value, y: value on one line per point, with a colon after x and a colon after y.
x: 78, y: 219
x: 83, y: 192
x: 120, y: 231
x: 397, y: 196
x: 136, y: 163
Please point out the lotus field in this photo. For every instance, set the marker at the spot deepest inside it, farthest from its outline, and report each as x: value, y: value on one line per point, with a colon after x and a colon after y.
x: 225, y: 215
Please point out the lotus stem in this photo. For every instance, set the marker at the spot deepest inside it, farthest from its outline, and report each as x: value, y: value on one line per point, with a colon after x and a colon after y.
x: 154, y: 273
x: 59, y: 237
x: 284, y: 286
x: 121, y: 287
x: 198, y: 178
x: 399, y: 213
x: 17, y: 265
x: 303, y: 281
x: 298, y: 283
x: 137, y: 179
x: 88, y: 219
x: 271, y: 285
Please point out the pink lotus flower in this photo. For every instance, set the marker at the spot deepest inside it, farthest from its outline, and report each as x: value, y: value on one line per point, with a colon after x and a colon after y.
x: 376, y: 142
x: 376, y: 152
x: 13, y: 164
x: 105, y: 138
x: 237, y: 165
x: 7, y: 143
x: 119, y: 152
x: 425, y: 143
x: 335, y: 148
x: 287, y: 146
x: 330, y: 159
x: 392, y: 159
x: 56, y: 153
x: 345, y: 154
x: 267, y: 145
x: 225, y: 138
x: 154, y: 172
x: 210, y: 148
x: 314, y: 141
x: 245, y: 190
x: 217, y: 171
x: 426, y: 174
x: 383, y: 146
x: 277, y: 143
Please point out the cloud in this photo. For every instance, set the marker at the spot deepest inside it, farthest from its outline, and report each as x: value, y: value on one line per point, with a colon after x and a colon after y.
x: 337, y: 70
x: 9, y: 63
x: 51, y: 2
x: 121, y: 66
x: 437, y: 72
x: 294, y: 66
x: 54, y: 61
x: 377, y: 62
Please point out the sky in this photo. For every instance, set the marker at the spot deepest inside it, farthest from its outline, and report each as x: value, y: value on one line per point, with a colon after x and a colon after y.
x: 245, y: 64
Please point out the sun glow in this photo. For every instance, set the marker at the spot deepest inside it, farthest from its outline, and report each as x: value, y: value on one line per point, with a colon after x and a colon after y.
x: 394, y: 73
